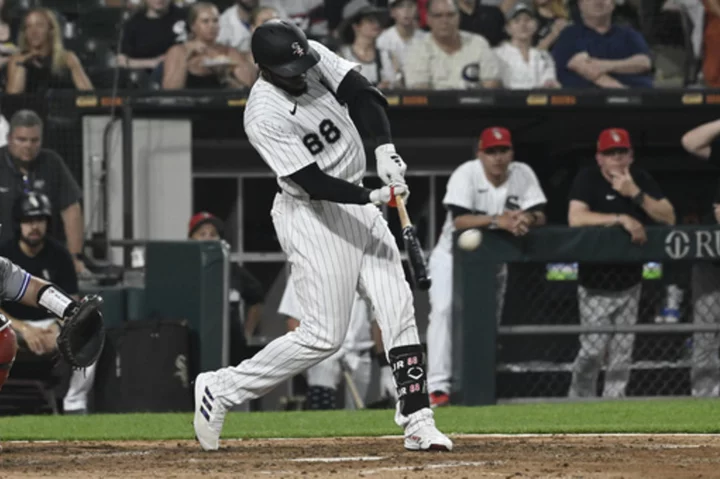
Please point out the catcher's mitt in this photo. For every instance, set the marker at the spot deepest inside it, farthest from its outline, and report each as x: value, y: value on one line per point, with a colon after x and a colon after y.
x: 82, y: 333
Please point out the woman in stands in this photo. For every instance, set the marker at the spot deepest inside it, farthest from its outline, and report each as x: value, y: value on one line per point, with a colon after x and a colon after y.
x: 201, y: 62
x: 42, y: 62
x: 552, y: 16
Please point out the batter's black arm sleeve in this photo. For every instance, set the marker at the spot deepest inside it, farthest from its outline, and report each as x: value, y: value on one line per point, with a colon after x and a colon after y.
x: 324, y: 187
x: 366, y: 106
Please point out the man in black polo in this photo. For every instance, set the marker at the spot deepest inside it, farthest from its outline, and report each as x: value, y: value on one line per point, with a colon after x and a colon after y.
x: 33, y: 250
x: 26, y: 166
x: 611, y: 193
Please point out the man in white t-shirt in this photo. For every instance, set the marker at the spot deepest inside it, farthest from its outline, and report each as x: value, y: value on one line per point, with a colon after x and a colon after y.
x: 450, y: 59
x: 235, y: 27
x: 396, y: 40
x: 491, y: 192
x: 523, y: 67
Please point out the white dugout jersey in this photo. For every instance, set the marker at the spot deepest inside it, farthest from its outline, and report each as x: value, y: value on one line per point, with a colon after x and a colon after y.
x: 469, y: 188
x: 292, y: 132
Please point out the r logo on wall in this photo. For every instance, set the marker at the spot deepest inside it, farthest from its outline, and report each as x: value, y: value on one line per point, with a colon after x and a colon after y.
x: 693, y: 244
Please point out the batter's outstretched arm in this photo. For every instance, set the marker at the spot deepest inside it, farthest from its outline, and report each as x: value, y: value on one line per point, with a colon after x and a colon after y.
x: 325, y: 187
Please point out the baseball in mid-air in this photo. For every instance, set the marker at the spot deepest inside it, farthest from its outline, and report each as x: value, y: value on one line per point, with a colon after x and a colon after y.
x: 470, y: 239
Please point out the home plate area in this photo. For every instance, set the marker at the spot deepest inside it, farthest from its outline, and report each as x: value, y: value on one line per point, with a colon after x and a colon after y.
x: 571, y: 456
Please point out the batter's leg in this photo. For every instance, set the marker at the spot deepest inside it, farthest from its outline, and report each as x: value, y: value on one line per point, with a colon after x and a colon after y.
x: 326, y: 260
x: 323, y: 380
x: 620, y: 347
x: 383, y: 280
x: 594, y: 311
x: 439, y: 332
x: 705, y: 369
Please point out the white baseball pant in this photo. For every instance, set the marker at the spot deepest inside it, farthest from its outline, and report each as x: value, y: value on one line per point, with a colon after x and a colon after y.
x: 335, y: 251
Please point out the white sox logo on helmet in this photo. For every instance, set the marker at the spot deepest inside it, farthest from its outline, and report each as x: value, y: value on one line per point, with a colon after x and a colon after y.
x: 297, y: 49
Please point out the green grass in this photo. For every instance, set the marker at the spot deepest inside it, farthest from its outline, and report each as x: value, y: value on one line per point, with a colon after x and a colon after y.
x: 656, y: 416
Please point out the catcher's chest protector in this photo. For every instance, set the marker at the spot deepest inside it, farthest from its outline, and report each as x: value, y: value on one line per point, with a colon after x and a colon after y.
x: 8, y: 349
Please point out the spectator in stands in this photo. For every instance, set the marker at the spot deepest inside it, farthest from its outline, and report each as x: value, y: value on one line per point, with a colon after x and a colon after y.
x: 201, y: 62
x: 33, y: 250
x: 396, y: 40
x: 522, y: 66
x: 611, y: 193
x: 42, y: 61
x: 9, y: 30
x: 485, y: 20
x: 359, y: 32
x: 449, y: 59
x: 597, y: 53
x: 236, y: 22
x: 704, y: 142
x: 552, y: 16
x: 25, y: 166
x: 246, y: 292
x: 711, y: 41
x: 150, y: 33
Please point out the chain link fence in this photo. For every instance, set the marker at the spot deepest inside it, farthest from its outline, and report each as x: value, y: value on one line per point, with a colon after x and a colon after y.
x: 657, y: 337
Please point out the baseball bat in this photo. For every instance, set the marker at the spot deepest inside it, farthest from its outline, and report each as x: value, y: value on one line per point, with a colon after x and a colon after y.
x: 416, y: 257
x: 350, y: 383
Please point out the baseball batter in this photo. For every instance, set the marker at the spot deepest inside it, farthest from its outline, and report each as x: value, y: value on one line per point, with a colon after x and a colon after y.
x: 301, y: 117
x: 492, y: 191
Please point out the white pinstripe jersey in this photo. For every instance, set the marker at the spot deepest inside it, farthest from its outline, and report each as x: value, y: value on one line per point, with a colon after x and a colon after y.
x: 469, y: 188
x: 292, y: 132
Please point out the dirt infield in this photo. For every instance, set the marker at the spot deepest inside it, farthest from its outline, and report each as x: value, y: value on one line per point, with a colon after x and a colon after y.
x: 591, y: 456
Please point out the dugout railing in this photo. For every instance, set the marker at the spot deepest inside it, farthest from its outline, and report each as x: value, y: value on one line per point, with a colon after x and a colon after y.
x: 529, y: 354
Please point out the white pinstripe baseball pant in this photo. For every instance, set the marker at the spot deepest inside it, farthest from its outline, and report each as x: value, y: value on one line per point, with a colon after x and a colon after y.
x: 335, y: 250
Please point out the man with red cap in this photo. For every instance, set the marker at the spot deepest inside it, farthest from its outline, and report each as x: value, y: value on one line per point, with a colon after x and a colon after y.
x: 611, y: 193
x: 491, y: 191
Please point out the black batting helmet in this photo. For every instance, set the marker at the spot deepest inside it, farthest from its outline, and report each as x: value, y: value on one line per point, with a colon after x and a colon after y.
x: 283, y: 48
x: 32, y: 205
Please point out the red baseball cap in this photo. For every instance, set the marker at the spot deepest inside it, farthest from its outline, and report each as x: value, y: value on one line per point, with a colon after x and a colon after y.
x: 202, y: 218
x: 494, y: 136
x: 613, y: 138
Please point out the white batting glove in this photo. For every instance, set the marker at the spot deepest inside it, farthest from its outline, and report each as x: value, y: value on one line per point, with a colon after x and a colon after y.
x: 387, y: 194
x: 390, y: 167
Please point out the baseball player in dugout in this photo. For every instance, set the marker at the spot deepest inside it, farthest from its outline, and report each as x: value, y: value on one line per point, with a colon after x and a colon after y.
x: 304, y: 116
x: 613, y: 192
x: 32, y: 249
x: 704, y: 142
x: 493, y: 192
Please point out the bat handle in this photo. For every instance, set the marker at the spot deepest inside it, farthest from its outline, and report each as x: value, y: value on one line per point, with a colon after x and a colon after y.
x: 402, y: 212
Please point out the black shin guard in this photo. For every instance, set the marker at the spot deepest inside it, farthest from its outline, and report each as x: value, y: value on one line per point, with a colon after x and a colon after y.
x: 408, y: 365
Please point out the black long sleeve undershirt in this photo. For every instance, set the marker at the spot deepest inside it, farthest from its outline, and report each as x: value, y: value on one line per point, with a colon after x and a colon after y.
x: 325, y: 187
